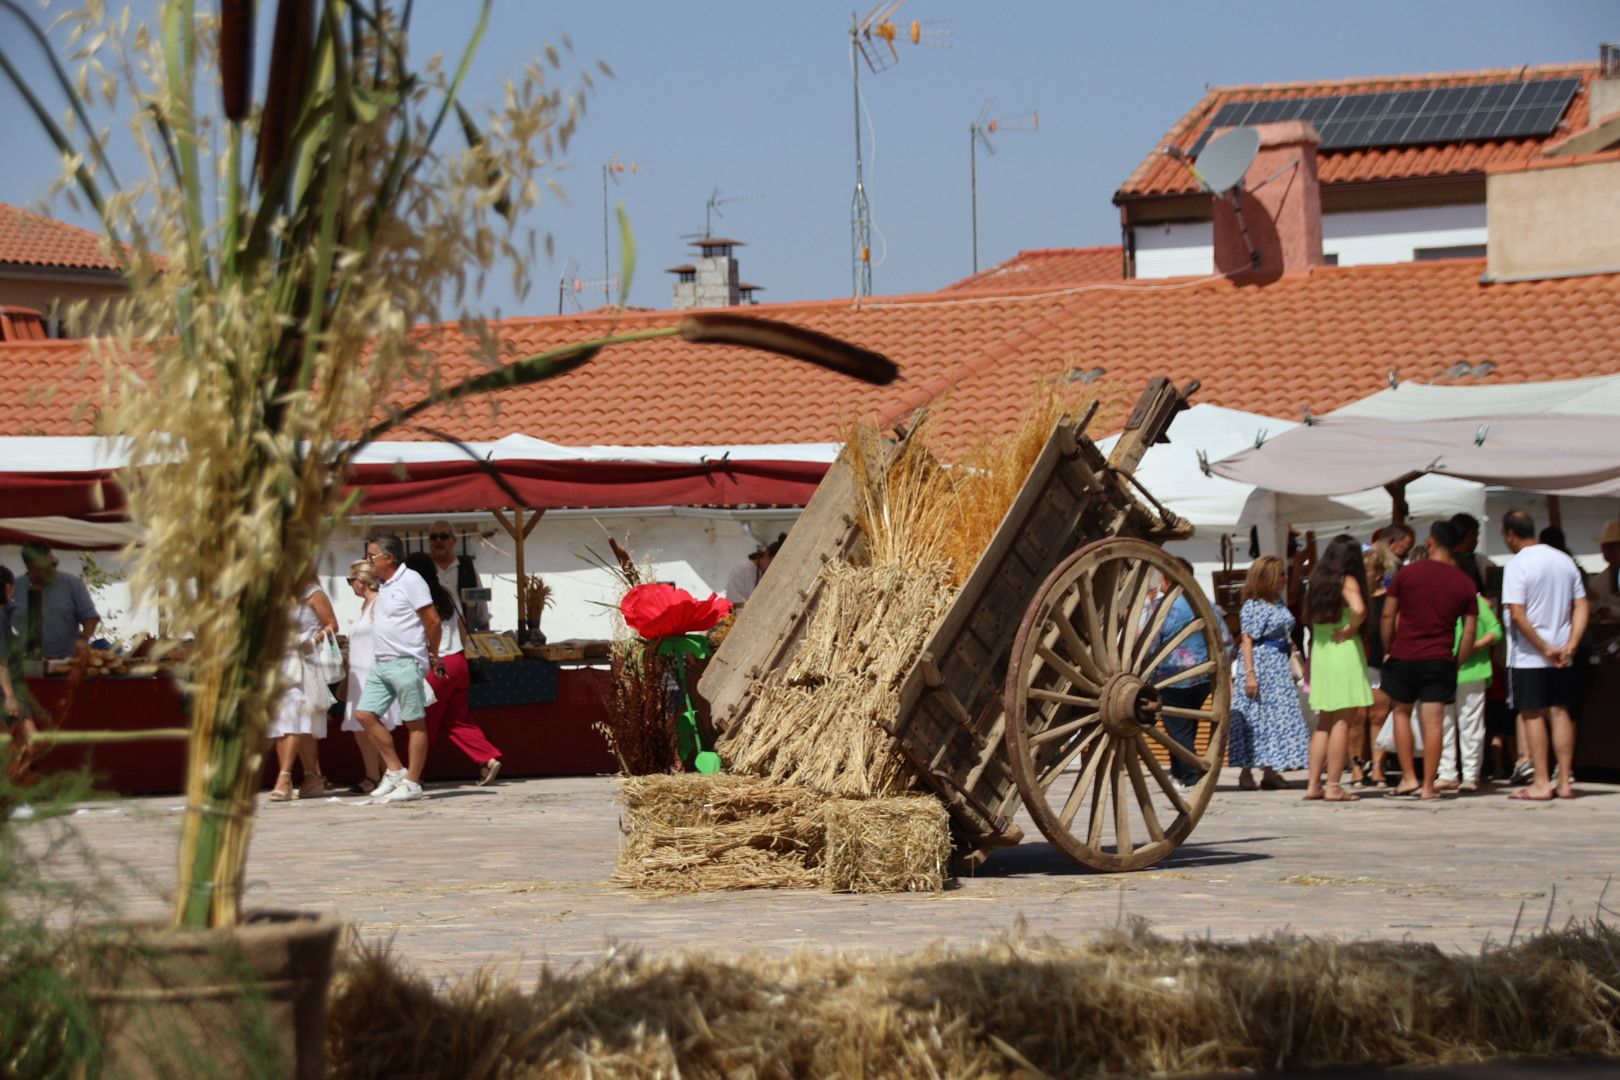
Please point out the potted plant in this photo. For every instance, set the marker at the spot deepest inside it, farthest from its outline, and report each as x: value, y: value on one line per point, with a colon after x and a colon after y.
x: 283, y: 256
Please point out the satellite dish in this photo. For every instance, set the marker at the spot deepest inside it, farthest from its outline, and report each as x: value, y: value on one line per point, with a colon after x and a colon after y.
x: 1224, y: 161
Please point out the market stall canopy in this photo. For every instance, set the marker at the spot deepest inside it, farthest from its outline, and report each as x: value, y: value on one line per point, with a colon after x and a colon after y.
x: 74, y: 477
x: 1425, y: 401
x: 1557, y: 453
x: 1174, y: 472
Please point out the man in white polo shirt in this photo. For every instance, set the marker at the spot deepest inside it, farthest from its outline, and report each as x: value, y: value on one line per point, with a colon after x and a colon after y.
x: 406, y: 639
x: 1546, y: 612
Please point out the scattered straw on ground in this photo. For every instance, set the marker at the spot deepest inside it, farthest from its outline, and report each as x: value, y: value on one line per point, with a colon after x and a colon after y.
x: 1128, y: 1004
x: 901, y: 844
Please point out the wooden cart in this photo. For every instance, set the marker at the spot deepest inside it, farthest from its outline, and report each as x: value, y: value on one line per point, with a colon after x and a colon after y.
x: 1040, y: 686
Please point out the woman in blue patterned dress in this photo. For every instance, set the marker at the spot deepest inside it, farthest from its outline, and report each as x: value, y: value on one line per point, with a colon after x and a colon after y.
x: 1268, y: 729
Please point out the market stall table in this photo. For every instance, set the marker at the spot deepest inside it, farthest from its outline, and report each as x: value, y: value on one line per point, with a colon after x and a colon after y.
x: 543, y: 717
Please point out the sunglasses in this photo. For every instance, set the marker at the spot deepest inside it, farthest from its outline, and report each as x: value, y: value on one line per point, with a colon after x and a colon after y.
x: 441, y: 536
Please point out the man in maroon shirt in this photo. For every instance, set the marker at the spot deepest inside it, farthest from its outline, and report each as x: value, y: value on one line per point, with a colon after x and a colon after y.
x: 1425, y: 602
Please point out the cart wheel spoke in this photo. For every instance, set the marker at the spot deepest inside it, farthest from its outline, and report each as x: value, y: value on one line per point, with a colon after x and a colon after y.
x: 1196, y: 626
x: 1167, y: 785
x: 1082, y: 784
x: 1122, y: 817
x: 1150, y: 816
x: 1063, y: 668
x: 1083, y: 702
x: 1099, y: 798
x: 1063, y: 731
x: 1162, y: 737
x: 1057, y: 697
x: 1050, y: 775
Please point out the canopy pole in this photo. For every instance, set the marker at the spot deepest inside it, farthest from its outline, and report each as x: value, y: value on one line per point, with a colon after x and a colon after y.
x: 1555, y: 511
x: 1398, y: 507
x: 519, y: 531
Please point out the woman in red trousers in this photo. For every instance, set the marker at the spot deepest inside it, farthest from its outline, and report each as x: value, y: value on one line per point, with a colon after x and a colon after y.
x: 451, y: 680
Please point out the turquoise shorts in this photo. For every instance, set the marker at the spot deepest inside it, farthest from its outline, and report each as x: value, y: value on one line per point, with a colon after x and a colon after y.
x: 398, y: 679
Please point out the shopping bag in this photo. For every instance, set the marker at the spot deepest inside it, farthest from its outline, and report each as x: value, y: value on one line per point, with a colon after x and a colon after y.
x: 327, y: 659
x: 1386, y: 735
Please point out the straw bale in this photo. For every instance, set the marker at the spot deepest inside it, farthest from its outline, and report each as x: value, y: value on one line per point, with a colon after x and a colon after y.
x: 900, y: 844
x: 1127, y: 1004
x: 692, y: 833
x: 821, y: 723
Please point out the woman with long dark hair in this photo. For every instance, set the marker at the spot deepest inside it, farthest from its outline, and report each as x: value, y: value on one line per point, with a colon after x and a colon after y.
x: 450, y: 711
x: 1336, y: 611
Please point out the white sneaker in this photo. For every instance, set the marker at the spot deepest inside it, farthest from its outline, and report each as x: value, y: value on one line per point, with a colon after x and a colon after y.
x: 389, y: 781
x: 404, y: 791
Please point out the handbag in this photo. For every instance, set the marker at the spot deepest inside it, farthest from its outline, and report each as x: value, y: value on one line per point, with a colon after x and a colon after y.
x: 327, y: 659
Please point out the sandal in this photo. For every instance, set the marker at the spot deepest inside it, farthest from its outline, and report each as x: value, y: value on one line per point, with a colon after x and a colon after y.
x: 490, y: 770
x: 314, y: 786
x: 364, y: 786
x: 283, y: 794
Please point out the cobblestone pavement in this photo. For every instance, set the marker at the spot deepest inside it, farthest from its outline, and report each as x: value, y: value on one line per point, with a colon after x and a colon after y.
x: 515, y: 874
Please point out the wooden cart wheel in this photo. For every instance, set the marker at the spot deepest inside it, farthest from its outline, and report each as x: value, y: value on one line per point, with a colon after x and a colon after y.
x: 1084, y: 706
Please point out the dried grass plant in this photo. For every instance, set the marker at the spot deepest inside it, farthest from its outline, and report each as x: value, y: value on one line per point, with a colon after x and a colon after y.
x: 294, y: 257
x: 1129, y: 1003
x: 639, y: 729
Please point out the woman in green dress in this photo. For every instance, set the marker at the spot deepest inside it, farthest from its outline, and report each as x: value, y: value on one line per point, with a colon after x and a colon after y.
x: 1336, y: 611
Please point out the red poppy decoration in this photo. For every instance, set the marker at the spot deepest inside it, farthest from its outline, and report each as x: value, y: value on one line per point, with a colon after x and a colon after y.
x: 659, y: 611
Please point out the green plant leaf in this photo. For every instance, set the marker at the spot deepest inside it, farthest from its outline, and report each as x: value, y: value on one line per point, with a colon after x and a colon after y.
x: 627, y: 253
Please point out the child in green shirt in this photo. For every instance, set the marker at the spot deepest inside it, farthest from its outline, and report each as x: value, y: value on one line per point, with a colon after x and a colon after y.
x: 1465, y: 716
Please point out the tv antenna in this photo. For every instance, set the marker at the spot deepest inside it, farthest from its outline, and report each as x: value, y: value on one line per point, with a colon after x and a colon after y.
x: 979, y: 133
x: 872, y: 39
x: 612, y: 170
x: 711, y: 210
x: 570, y: 273
x: 1219, y: 170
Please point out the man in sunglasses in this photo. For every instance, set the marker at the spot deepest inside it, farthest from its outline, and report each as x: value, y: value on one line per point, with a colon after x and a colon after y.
x: 457, y: 573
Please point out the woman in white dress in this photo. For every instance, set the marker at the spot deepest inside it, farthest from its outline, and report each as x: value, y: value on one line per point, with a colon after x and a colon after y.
x: 300, y: 719
x: 362, y: 651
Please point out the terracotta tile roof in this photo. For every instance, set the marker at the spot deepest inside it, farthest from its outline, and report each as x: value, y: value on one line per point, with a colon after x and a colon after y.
x: 30, y: 239
x: 1322, y: 340
x: 1047, y: 268
x: 1158, y: 174
x: 652, y: 392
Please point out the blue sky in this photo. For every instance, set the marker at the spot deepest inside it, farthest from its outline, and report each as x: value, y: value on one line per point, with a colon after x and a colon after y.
x: 754, y: 98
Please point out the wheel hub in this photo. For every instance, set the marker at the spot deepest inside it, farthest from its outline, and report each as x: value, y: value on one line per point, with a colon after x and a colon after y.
x: 1128, y: 704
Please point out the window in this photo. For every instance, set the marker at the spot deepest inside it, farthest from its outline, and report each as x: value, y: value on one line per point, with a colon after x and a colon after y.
x: 1455, y: 251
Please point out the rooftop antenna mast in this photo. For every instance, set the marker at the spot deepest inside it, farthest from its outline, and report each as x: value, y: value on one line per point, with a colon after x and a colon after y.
x: 711, y: 210
x: 871, y: 39
x: 979, y: 133
x: 612, y: 170
x: 570, y: 272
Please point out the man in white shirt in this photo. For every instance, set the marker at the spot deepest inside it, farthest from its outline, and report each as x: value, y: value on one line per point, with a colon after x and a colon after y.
x: 1546, y: 608
x: 743, y: 580
x: 456, y: 574
x: 406, y: 643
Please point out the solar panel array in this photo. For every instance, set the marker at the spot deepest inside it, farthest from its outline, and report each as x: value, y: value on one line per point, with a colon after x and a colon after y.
x: 1407, y: 117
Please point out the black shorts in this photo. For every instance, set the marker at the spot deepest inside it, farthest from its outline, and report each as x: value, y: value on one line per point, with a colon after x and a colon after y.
x: 1535, y: 688
x: 1406, y: 681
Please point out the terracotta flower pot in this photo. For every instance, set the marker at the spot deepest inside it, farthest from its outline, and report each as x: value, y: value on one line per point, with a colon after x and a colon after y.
x: 239, y: 1001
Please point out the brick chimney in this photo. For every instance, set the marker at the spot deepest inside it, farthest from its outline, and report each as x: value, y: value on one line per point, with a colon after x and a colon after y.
x: 1282, y: 208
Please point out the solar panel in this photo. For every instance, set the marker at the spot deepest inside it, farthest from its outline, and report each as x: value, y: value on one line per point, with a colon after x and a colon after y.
x: 1410, y: 117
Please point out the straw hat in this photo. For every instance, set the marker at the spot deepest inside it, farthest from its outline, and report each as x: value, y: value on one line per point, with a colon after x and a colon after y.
x: 1611, y: 533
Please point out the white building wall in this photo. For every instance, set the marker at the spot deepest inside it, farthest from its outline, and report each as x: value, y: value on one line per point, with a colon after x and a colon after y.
x: 1358, y: 238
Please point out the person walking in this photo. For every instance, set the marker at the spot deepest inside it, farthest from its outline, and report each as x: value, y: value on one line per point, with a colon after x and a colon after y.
x: 1465, y: 717
x: 1547, y: 611
x: 452, y: 681
x: 1426, y: 600
x: 1268, y: 728
x: 1336, y: 609
x: 362, y: 653
x: 300, y: 720
x: 455, y: 573
x: 406, y: 647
